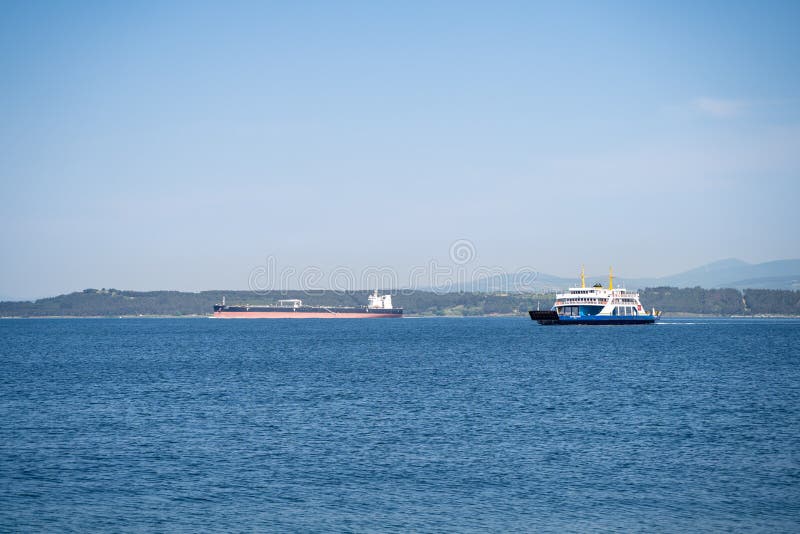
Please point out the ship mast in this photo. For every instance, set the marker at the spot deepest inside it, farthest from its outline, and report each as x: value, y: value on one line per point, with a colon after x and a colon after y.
x: 583, y: 278
x: 611, y: 278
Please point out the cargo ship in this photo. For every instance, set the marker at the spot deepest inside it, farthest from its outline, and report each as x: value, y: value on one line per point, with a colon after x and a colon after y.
x: 378, y: 307
x: 595, y: 306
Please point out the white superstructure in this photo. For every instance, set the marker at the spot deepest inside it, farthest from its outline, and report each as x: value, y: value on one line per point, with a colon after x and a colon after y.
x: 381, y: 302
x: 599, y: 301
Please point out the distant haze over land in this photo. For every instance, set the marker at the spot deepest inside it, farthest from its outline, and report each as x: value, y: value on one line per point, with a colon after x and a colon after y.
x: 729, y: 273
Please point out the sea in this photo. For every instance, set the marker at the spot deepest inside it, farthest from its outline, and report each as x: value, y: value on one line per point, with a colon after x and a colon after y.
x: 398, y: 425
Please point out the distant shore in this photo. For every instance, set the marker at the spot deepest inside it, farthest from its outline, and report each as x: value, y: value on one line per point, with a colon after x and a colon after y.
x: 671, y: 315
x: 672, y: 301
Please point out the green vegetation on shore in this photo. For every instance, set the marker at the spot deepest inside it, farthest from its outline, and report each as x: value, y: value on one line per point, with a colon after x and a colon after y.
x: 115, y: 303
x: 722, y: 301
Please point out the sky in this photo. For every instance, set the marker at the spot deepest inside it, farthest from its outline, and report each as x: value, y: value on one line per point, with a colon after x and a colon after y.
x: 172, y: 145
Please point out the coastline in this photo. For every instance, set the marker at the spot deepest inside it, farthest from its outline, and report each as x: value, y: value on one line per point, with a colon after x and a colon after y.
x: 669, y: 315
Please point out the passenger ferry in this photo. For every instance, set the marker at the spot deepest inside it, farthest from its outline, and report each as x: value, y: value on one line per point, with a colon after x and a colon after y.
x: 596, y: 305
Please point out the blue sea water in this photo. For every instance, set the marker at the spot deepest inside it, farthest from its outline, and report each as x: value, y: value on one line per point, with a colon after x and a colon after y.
x: 475, y: 424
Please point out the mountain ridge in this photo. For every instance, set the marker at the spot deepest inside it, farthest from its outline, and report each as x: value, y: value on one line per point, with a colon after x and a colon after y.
x: 726, y: 273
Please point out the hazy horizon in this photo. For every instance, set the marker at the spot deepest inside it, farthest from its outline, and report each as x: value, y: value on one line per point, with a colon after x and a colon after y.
x: 179, y: 146
x: 437, y: 276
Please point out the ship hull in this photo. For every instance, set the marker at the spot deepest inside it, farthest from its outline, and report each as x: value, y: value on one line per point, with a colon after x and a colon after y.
x: 305, y: 312
x: 552, y: 318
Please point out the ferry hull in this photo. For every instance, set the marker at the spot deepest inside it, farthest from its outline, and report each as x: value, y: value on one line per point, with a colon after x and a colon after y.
x: 551, y: 317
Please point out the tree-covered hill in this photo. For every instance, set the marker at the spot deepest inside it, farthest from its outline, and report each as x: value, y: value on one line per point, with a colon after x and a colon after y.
x: 115, y: 303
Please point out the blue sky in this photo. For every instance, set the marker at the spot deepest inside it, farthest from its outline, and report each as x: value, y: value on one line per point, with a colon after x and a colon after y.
x: 177, y: 145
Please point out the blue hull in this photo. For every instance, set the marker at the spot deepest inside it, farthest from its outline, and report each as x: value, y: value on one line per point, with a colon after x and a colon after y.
x: 551, y: 317
x: 621, y: 319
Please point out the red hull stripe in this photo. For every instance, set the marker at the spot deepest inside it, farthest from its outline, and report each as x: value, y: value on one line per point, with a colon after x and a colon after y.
x: 303, y: 315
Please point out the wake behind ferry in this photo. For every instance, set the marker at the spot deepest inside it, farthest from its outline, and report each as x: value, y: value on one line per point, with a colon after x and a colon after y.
x: 596, y: 305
